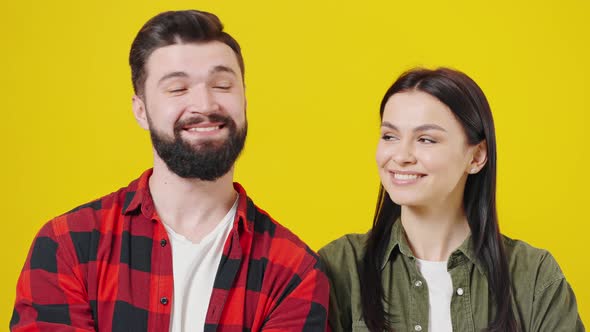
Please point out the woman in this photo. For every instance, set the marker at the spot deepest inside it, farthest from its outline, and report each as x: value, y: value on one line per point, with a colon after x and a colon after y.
x: 435, y: 259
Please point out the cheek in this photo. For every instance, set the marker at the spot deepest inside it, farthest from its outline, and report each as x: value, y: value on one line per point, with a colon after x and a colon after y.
x: 440, y: 159
x: 382, y: 154
x: 433, y: 162
x: 448, y: 168
x: 235, y: 110
x: 167, y: 110
x: 234, y: 103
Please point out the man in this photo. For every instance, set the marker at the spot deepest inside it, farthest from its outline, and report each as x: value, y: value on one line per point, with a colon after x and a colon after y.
x: 182, y: 248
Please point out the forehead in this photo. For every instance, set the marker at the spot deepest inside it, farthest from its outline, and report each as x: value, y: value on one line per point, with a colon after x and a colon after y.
x: 195, y: 59
x: 414, y: 108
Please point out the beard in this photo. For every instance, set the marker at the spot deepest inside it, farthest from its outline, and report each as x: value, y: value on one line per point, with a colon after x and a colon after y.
x: 206, y: 160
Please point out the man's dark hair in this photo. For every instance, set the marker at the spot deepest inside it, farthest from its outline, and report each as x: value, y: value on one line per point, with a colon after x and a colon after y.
x: 176, y: 27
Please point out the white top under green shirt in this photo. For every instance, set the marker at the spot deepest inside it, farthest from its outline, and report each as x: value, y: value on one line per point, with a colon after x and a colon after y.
x: 194, y: 268
x: 440, y: 292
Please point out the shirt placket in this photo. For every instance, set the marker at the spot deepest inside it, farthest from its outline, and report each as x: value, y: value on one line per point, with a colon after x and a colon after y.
x: 461, y: 308
x: 162, y: 269
x: 418, y: 299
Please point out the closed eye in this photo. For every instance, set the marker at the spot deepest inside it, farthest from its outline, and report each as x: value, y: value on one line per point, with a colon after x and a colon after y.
x: 222, y: 87
x: 178, y: 90
x: 221, y: 84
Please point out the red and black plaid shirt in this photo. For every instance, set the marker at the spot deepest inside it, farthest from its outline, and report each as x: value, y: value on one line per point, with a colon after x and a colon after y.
x: 107, y: 266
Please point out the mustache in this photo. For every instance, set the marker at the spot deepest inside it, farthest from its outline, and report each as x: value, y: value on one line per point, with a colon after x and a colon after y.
x: 194, y: 120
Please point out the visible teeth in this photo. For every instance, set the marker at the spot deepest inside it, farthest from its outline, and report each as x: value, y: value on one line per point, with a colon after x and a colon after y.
x: 405, y: 176
x: 203, y: 129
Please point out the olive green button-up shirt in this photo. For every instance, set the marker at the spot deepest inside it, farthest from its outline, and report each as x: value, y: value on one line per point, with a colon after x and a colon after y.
x: 542, y: 298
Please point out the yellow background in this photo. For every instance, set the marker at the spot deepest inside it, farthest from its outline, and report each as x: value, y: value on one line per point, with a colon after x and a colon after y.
x: 315, y: 74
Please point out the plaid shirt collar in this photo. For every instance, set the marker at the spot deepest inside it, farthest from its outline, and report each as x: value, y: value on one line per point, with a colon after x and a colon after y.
x: 139, y: 198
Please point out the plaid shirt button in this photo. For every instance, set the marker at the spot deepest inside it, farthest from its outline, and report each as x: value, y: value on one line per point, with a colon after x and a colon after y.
x: 164, y: 300
x: 163, y: 242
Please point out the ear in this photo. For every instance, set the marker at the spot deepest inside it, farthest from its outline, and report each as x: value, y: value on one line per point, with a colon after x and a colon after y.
x: 479, y: 157
x: 140, y: 113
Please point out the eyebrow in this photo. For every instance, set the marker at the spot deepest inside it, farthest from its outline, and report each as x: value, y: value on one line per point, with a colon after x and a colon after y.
x: 172, y: 75
x: 182, y: 74
x: 424, y: 127
x: 222, y: 69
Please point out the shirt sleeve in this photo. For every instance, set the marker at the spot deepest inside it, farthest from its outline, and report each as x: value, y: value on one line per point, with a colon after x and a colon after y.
x: 334, y: 317
x: 554, y: 304
x: 304, y: 305
x: 340, y: 264
x: 50, y: 292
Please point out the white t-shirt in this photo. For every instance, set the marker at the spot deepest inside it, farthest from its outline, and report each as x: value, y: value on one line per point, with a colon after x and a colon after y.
x: 194, y: 266
x: 440, y: 292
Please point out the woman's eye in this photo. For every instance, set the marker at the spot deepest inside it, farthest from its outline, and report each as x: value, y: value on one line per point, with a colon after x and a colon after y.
x: 388, y: 137
x: 426, y: 140
x: 222, y: 87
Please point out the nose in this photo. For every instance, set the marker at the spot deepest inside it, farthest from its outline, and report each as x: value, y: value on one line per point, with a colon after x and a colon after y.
x: 202, y: 100
x: 403, y: 153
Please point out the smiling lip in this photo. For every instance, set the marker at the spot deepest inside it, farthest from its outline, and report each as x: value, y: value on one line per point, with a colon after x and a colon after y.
x: 206, y: 128
x: 405, y: 177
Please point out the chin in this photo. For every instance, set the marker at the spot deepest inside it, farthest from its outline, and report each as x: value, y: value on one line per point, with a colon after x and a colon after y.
x: 406, y: 199
x: 406, y: 203
x: 409, y: 199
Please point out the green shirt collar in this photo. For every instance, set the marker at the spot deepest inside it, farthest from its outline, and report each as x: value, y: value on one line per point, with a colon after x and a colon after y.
x: 398, y: 240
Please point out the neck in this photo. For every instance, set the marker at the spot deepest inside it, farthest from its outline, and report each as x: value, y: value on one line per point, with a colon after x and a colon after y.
x: 434, y: 233
x: 191, y: 207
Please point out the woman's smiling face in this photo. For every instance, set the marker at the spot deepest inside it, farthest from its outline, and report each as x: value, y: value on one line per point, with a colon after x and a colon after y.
x: 423, y: 155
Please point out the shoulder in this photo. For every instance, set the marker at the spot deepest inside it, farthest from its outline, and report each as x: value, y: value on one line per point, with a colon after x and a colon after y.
x: 349, y: 248
x: 111, y: 206
x: 342, y: 258
x: 531, y: 266
x: 278, y: 244
x: 540, y: 289
x: 92, y: 214
x: 72, y: 237
x: 81, y: 227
